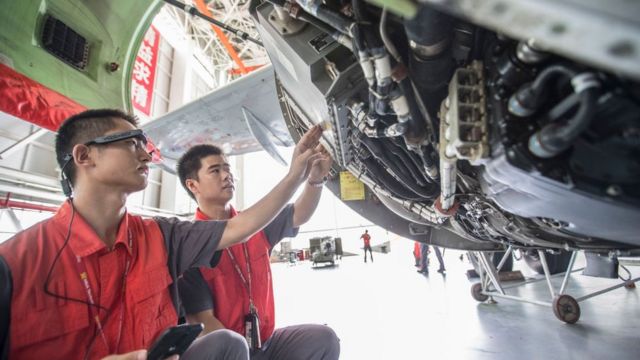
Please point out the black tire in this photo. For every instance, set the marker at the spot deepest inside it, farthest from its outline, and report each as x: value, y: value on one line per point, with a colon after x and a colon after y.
x: 495, y: 258
x: 557, y: 262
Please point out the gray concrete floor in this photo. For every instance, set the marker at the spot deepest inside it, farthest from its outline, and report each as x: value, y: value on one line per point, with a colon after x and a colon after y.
x: 385, y: 310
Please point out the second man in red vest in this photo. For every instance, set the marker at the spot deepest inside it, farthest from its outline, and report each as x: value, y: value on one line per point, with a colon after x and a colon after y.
x: 238, y: 293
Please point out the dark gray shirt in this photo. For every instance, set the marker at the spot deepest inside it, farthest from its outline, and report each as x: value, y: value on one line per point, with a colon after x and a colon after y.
x: 188, y: 243
x: 194, y: 291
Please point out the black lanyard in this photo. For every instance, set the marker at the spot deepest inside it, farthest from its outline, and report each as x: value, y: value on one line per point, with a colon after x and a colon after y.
x: 84, y: 278
x: 246, y: 282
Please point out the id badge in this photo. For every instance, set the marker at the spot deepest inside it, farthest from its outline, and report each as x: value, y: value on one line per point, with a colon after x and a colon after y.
x: 252, y: 330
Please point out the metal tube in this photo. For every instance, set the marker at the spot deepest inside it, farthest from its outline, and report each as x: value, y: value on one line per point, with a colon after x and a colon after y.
x: 448, y: 173
x: 388, y: 44
x: 606, y: 290
x: 545, y: 267
x: 13, y: 204
x: 21, y: 143
x: 23, y: 177
x: 531, y: 281
x: 517, y: 298
x: 565, y: 281
x: 504, y: 258
x: 491, y: 271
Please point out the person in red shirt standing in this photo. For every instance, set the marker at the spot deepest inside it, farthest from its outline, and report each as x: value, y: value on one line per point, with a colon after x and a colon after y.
x: 367, y: 245
x: 416, y: 253
x: 94, y: 280
x: 238, y: 293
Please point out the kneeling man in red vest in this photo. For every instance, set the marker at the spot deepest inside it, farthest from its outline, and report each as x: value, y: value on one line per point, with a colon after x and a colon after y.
x: 238, y: 294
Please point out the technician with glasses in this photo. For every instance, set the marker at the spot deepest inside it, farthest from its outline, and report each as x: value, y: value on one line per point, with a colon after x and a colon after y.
x: 94, y: 280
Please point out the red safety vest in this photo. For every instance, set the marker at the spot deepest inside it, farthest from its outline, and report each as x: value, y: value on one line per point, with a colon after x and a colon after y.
x: 230, y: 297
x: 44, y: 327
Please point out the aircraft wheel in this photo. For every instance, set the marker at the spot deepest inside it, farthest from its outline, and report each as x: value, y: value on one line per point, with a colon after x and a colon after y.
x: 476, y: 292
x: 566, y: 309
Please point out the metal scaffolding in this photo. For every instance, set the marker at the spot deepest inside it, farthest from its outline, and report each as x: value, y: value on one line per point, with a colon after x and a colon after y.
x: 224, y: 55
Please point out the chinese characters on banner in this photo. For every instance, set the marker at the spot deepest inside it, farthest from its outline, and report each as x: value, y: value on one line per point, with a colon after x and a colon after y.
x: 144, y: 71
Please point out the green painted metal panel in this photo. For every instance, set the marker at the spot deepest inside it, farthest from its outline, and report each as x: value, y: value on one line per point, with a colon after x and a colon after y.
x: 113, y: 28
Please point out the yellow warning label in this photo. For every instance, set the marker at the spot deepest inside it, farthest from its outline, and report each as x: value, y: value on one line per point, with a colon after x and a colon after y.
x: 350, y: 187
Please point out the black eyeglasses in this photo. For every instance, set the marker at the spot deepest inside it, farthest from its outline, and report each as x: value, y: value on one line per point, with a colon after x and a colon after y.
x: 138, y: 134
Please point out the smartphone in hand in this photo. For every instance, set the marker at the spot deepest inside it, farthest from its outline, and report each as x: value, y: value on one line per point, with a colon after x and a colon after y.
x: 174, y: 341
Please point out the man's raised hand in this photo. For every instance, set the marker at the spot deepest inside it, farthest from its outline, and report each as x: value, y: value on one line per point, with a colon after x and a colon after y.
x: 305, y: 154
x: 321, y: 166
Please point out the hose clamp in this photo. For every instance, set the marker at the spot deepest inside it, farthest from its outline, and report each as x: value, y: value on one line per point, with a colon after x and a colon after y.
x: 584, y: 81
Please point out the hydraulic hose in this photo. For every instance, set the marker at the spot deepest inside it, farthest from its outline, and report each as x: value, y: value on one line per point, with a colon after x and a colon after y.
x: 431, y: 63
x: 429, y: 33
x: 404, y: 158
x: 555, y: 138
x: 359, y: 12
x: 430, y: 166
x: 324, y: 13
x: 416, y: 128
x: 528, y: 99
x: 376, y: 151
x: 388, y: 182
x: 415, y: 161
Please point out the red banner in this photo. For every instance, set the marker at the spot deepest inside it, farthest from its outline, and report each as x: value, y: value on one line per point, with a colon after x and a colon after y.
x: 33, y: 102
x: 144, y: 72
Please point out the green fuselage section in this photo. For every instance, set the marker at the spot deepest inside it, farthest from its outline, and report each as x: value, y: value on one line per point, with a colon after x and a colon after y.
x: 113, y: 28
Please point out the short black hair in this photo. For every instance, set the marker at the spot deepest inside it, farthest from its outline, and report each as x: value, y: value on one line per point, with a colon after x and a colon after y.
x: 190, y: 163
x: 84, y: 127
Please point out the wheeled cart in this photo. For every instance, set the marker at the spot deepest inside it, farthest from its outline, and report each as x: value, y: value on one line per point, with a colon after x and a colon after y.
x: 565, y: 307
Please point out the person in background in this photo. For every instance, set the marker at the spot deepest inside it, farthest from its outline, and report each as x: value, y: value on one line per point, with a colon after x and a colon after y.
x: 238, y: 293
x: 367, y: 245
x: 416, y: 253
x: 424, y: 259
x: 439, y: 255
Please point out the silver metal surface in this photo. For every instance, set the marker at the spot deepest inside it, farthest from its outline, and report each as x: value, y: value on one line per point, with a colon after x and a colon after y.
x: 283, y: 23
x: 529, y: 54
x: 606, y: 290
x: 567, y: 274
x: 504, y: 258
x: 490, y: 271
x: 221, y: 118
x: 545, y: 267
x: 604, y: 34
x: 517, y: 298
